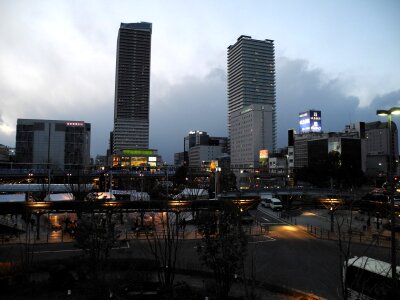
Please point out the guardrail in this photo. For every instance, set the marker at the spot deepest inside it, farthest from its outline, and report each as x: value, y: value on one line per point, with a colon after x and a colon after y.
x: 362, y: 237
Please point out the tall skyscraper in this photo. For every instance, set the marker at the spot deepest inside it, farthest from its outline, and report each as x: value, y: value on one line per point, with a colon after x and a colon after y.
x: 132, y: 87
x: 251, y: 88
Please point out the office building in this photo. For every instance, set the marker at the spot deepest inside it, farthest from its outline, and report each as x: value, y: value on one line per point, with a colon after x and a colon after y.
x: 251, y: 100
x: 312, y: 149
x: 4, y: 154
x: 251, y: 135
x: 132, y: 87
x: 200, y: 148
x: 54, y: 144
x: 377, y: 137
x: 202, y: 155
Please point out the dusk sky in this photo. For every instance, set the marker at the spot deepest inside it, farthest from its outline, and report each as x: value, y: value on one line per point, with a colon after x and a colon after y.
x: 57, y: 61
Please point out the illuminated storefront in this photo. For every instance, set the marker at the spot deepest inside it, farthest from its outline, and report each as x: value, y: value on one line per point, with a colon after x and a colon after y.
x: 136, y: 158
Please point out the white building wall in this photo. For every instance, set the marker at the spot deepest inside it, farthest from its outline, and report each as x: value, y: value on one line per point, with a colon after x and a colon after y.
x: 198, y: 154
x: 277, y: 165
x: 251, y: 131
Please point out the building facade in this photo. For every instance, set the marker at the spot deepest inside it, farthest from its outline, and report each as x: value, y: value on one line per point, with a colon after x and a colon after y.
x: 378, y: 144
x: 200, y: 147
x: 132, y: 87
x: 312, y: 149
x: 251, y: 85
x: 202, y: 155
x: 62, y: 145
x: 250, y: 133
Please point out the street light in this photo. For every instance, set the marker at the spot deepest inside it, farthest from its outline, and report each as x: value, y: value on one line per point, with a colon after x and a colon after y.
x: 217, y: 169
x: 29, y: 184
x: 388, y: 114
x: 68, y: 177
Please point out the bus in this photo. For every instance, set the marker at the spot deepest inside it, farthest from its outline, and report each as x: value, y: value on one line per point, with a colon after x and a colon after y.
x: 369, y: 279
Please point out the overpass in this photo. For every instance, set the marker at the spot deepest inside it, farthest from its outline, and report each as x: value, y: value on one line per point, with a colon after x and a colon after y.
x: 113, y: 206
x: 285, y: 191
x: 291, y: 191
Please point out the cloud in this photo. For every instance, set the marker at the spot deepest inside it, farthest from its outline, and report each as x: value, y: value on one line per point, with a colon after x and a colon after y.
x: 43, y: 75
x: 195, y: 103
x: 300, y: 88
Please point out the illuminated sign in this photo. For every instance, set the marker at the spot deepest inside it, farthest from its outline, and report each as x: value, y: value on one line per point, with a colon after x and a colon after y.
x: 334, y: 146
x: 213, y: 165
x: 310, y: 121
x: 137, y: 152
x: 79, y: 123
x: 152, y: 158
x: 263, y: 153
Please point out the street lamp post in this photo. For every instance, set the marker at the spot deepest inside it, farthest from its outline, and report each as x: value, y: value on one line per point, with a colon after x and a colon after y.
x: 68, y: 177
x: 217, y: 169
x: 141, y: 175
x: 29, y: 184
x: 389, y: 113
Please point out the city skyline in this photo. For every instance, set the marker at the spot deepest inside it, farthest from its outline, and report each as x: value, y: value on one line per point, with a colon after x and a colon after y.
x: 341, y: 58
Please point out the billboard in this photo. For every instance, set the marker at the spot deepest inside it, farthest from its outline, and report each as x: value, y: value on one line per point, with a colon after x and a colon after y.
x: 263, y: 157
x: 310, y: 121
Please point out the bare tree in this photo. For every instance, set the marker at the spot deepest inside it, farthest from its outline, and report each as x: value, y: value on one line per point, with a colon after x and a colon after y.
x: 346, y: 232
x: 79, y: 184
x: 164, y: 243
x: 96, y: 235
x: 223, y: 250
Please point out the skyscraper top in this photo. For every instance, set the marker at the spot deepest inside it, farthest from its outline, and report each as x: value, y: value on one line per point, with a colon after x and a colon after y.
x: 249, y: 38
x: 137, y: 26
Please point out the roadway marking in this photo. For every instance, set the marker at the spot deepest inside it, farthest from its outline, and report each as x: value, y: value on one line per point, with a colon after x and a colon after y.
x: 56, y: 251
x: 268, y: 239
x: 76, y: 250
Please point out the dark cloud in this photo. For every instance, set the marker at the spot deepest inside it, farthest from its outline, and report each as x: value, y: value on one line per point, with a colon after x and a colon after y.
x: 300, y: 88
x: 386, y: 101
x: 201, y: 104
x: 193, y: 104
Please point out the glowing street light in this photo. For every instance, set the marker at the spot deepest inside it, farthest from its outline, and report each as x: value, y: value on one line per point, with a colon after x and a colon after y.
x: 68, y: 176
x: 30, y: 175
x: 388, y: 114
x: 217, y: 170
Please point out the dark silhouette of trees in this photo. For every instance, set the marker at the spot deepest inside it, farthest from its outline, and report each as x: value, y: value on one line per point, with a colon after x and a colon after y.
x: 96, y: 234
x: 164, y: 244
x: 223, y: 246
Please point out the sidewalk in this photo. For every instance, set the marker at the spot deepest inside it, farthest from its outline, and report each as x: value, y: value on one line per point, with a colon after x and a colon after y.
x: 262, y: 291
x: 319, y: 223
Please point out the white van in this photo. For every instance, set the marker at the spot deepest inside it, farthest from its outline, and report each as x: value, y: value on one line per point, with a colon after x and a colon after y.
x: 265, y: 199
x: 275, y: 204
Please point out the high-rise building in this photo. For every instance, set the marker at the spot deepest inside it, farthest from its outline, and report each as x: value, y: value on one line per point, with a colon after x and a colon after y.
x: 251, y: 87
x: 52, y: 143
x: 132, y: 87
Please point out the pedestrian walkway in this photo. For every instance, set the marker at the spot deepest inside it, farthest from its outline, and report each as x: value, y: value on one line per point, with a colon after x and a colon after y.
x: 348, y: 225
x: 261, y: 291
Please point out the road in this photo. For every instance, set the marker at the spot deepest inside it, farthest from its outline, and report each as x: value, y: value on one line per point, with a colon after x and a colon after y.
x: 285, y: 256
